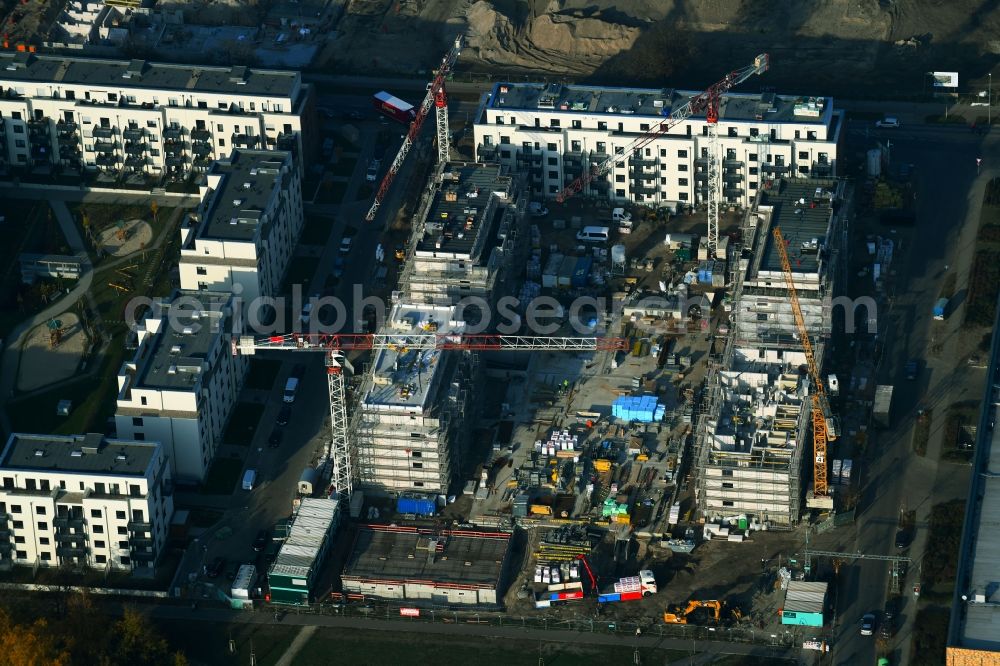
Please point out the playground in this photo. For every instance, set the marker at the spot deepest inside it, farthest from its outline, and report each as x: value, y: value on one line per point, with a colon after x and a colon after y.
x: 52, y: 352
x: 125, y: 237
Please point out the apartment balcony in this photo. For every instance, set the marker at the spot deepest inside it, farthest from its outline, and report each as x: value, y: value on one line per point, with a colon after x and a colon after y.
x: 202, y: 162
x: 701, y: 161
x: 638, y: 161
x: 6, y: 546
x: 644, y: 175
x: 822, y: 169
x: 600, y: 184
x: 71, y: 551
x: 732, y: 177
x: 137, y: 163
x: 574, y: 170
x: 638, y: 188
x: 776, y: 169
x: 201, y: 149
x: 139, y: 526
x: 107, y: 161
x: 528, y: 157
x: 729, y: 163
x: 65, y: 522
x: 40, y: 139
x: 103, y: 132
x: 69, y: 152
x: 172, y: 133
x: 200, y: 134
x: 288, y: 141
x: 245, y: 140
x: 701, y: 176
x: 733, y: 192
x: 486, y: 153
x: 72, y: 539
x: 105, y: 147
x: 174, y: 148
x: 136, y: 148
x: 175, y: 162
x: 133, y: 133
x: 41, y: 153
x: 143, y: 555
x: 39, y: 125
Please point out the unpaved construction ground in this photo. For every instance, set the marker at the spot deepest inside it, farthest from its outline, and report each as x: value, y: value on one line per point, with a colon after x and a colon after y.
x: 842, y: 47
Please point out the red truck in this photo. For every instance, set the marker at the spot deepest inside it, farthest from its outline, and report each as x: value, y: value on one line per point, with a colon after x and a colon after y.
x: 394, y: 107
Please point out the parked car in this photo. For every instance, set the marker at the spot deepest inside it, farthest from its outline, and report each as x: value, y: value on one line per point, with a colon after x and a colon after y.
x: 537, y: 209
x: 902, y: 538
x: 216, y: 568
x: 887, y: 122
x: 274, y: 441
x: 338, y: 265
x: 260, y: 541
x: 372, y: 174
x: 885, y: 628
x: 284, y: 414
x: 868, y: 624
x: 345, y: 244
x: 911, y: 369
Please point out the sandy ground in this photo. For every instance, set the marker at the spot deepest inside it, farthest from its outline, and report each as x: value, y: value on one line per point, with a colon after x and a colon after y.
x: 138, y: 234
x: 42, y: 365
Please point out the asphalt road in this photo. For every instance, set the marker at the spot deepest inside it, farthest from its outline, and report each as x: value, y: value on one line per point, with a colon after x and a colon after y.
x: 893, y: 477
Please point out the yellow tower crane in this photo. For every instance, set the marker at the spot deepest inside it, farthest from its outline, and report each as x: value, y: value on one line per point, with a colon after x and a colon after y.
x: 821, y: 418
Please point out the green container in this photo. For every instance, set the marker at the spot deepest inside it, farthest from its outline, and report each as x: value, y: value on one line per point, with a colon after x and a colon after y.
x: 743, y: 523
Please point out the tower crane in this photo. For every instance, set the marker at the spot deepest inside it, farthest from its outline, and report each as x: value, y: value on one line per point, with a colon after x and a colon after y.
x: 706, y: 102
x: 823, y: 430
x: 436, y: 97
x: 335, y: 346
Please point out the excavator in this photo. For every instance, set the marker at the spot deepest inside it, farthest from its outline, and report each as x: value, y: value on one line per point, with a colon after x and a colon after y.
x: 678, y: 615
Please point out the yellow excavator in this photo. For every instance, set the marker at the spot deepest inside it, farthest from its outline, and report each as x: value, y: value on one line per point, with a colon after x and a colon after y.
x: 678, y: 615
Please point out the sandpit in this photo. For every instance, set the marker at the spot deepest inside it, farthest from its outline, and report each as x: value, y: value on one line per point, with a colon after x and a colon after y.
x: 131, y: 237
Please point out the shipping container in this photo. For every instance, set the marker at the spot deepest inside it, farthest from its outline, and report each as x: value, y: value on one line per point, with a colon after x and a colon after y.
x: 882, y: 409
x: 420, y: 506
x: 393, y: 107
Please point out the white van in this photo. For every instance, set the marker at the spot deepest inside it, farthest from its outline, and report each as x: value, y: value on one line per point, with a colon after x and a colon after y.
x: 593, y: 234
x: 290, y: 387
x: 249, y: 477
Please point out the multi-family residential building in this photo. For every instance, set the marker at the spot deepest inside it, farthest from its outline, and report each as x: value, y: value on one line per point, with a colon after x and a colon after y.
x: 467, y: 231
x: 754, y: 430
x: 245, y: 229
x: 122, y: 116
x: 409, y: 428
x: 84, y: 500
x: 180, y: 386
x: 555, y: 132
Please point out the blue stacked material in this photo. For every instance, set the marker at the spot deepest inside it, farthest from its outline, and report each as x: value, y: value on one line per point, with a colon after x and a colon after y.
x: 581, y: 271
x: 417, y: 505
x: 643, y: 408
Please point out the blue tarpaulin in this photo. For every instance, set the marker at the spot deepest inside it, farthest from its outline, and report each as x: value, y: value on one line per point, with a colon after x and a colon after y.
x: 643, y: 408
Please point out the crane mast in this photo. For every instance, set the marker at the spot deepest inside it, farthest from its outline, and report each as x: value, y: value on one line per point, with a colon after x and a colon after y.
x: 704, y: 102
x: 822, y: 433
x: 435, y: 93
x: 341, y: 450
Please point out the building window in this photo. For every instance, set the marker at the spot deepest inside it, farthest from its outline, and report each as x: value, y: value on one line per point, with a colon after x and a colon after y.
x: 95, y: 513
x: 418, y: 484
x: 643, y: 127
x: 803, y: 169
x: 137, y: 421
x: 620, y: 178
x: 222, y: 143
x: 811, y: 135
x: 663, y: 181
x: 120, y: 515
x: 123, y: 544
x: 40, y: 510
x: 727, y: 503
x: 126, y: 561
x: 601, y: 125
x: 752, y: 157
x: 683, y: 196
x: 682, y: 167
x: 620, y: 193
x: 139, y: 437
x: 753, y: 171
x: 682, y: 182
x: 504, y: 140
x: 754, y: 131
x: 553, y: 161
x: 18, y: 524
x: 97, y: 529
x: 418, y: 465
x: 553, y: 122
x: 142, y: 400
x: 100, y: 559
x: 21, y: 554
x: 551, y: 147
x: 553, y: 175
x: 499, y: 120
x: 43, y: 541
x: 42, y: 526
x: 727, y: 472
x: 732, y: 131
x: 46, y: 556
x: 417, y: 454
x: 15, y: 508
x: 753, y: 184
x: 122, y: 530
x: 577, y: 124
x: 18, y: 539
x: 803, y: 154
x: 682, y: 153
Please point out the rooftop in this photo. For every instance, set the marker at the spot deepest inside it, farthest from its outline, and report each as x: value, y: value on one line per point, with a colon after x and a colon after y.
x: 464, y: 213
x: 407, y: 379
x: 247, y: 180
x: 120, y: 74
x: 185, y: 337
x: 310, y: 527
x: 802, y: 209
x: 657, y: 102
x: 383, y: 552
x: 92, y: 452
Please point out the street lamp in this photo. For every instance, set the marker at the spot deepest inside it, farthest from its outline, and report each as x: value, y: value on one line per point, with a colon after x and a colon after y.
x: 989, y: 103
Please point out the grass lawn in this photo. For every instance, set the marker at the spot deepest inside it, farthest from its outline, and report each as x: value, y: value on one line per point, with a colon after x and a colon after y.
x: 929, y: 641
x: 208, y: 643
x: 937, y: 579
x: 300, y: 271
x: 344, y: 166
x: 922, y: 432
x: 958, y: 441
x: 262, y: 374
x: 382, y: 647
x: 243, y: 423
x: 222, y: 476
x: 317, y: 230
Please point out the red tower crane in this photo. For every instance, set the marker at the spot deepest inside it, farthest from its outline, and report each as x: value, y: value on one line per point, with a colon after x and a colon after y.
x: 435, y: 94
x: 706, y: 102
x: 335, y: 345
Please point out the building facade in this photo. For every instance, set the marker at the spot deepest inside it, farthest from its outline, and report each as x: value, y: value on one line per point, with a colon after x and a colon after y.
x: 243, y: 234
x: 137, y: 117
x: 554, y: 133
x: 409, y: 428
x: 467, y: 231
x: 84, y: 500
x: 183, y: 381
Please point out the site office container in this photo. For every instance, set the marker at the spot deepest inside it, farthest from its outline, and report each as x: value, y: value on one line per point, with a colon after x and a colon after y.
x: 394, y: 107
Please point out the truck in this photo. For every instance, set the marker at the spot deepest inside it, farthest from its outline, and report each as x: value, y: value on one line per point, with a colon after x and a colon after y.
x: 630, y: 588
x: 393, y: 107
x: 883, y: 406
x: 558, y: 593
x: 941, y: 309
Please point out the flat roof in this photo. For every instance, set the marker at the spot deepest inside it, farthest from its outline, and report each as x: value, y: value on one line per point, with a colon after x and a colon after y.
x: 387, y: 553
x: 311, y: 524
x: 805, y: 596
x: 656, y: 102
x: 408, y: 379
x: 248, y: 179
x: 463, y: 210
x: 803, y: 210
x: 89, y: 453
x: 181, y: 346
x: 236, y: 80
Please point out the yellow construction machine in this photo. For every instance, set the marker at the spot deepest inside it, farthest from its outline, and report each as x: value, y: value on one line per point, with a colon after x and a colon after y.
x: 678, y: 615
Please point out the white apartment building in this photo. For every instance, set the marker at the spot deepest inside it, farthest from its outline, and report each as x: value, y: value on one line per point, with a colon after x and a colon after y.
x: 183, y: 381
x: 122, y: 116
x: 466, y: 233
x: 245, y: 229
x: 554, y: 132
x: 83, y: 500
x: 409, y: 428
